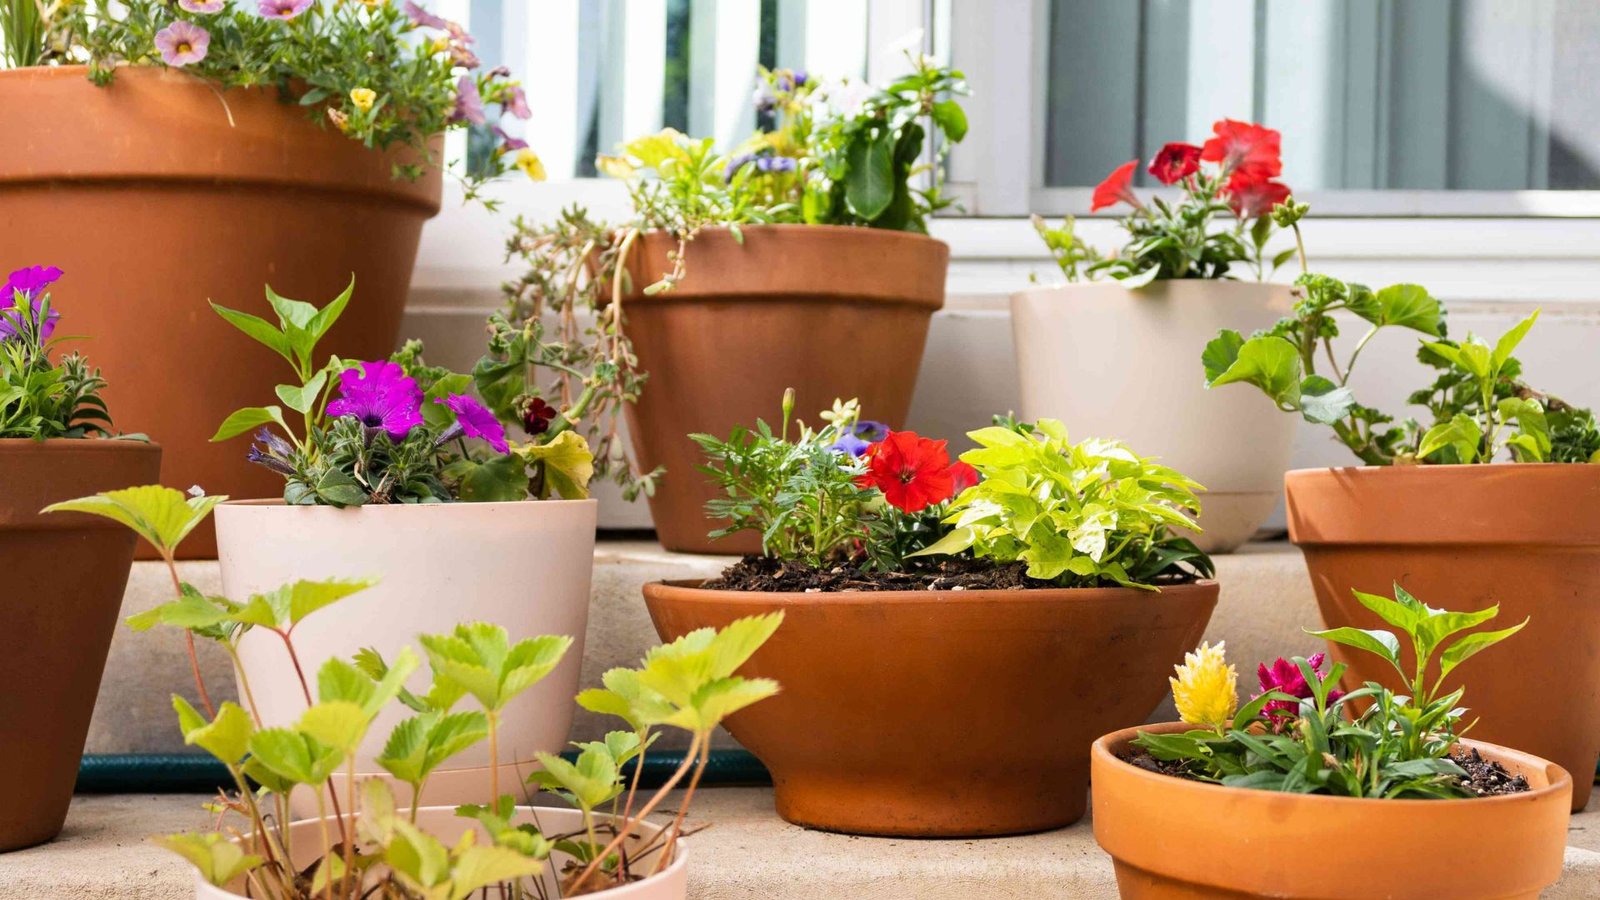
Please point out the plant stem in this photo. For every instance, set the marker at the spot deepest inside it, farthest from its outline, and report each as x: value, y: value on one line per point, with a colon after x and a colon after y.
x: 1300, y: 243
x: 305, y: 688
x: 188, y: 636
x: 683, y: 807
x: 494, y: 758
x: 629, y: 826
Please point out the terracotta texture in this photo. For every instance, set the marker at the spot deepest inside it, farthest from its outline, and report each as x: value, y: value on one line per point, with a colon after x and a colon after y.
x: 153, y: 203
x: 525, y: 566
x: 1173, y: 839
x: 1155, y: 399
x: 672, y: 883
x: 944, y: 714
x: 1525, y: 536
x: 64, y: 575
x: 830, y: 311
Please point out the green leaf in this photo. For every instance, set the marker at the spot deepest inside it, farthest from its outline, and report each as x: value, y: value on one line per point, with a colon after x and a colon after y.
x: 337, y: 489
x: 294, y: 756
x: 293, y: 312
x: 1509, y: 341
x: 1270, y: 363
x: 299, y: 399
x: 286, y: 606
x: 566, y: 462
x: 437, y: 415
x: 1532, y: 441
x: 1469, y: 646
x: 227, y: 737
x: 869, y: 183
x: 417, y: 858
x: 1405, y: 305
x: 250, y: 418
x: 340, y: 724
x: 218, y: 859
x: 319, y: 325
x: 259, y: 329
x: 1383, y: 643
x: 501, y: 479
x: 1220, y: 353
x: 160, y: 515
x: 951, y: 119
x: 479, y: 659
x: 1323, y: 402
x: 481, y: 867
x: 192, y: 611
x: 1460, y: 434
x: 589, y: 782
x: 1399, y: 614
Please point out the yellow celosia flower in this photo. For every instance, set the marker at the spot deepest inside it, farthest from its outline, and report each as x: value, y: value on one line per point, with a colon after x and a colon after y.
x: 1205, y: 691
x: 530, y: 164
x: 363, y: 98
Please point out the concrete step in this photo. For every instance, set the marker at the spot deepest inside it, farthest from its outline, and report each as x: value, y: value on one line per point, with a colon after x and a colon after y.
x: 747, y: 853
x: 1266, y: 598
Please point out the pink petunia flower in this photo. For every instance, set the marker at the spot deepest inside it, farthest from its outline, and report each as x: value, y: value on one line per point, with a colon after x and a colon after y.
x: 475, y: 420
x: 469, y: 103
x: 282, y: 9
x: 182, y: 43
x: 205, y: 7
x: 421, y: 17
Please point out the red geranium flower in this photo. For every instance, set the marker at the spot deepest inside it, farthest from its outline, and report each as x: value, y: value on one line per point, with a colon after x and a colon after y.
x: 1115, y: 189
x: 1252, y: 198
x: 1175, y: 162
x: 912, y: 471
x: 1243, y: 148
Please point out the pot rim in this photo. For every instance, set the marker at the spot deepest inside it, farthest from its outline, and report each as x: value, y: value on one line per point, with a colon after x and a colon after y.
x: 277, y: 502
x: 689, y: 589
x: 1409, y: 471
x: 1100, y: 750
x: 1225, y: 285
x: 92, y: 445
x: 885, y: 234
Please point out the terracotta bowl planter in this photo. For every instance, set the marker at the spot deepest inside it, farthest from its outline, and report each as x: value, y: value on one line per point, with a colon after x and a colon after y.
x: 64, y: 576
x: 1525, y: 536
x: 672, y: 883
x: 153, y: 203
x: 829, y: 311
x: 1172, y: 838
x: 525, y: 566
x: 1152, y: 397
x: 944, y: 714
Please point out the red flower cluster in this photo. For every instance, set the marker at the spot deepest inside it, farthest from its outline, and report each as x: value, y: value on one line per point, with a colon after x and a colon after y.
x: 1286, y: 677
x: 914, y: 472
x: 1248, y: 158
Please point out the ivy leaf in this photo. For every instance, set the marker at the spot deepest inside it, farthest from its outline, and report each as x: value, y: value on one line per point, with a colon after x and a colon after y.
x: 1220, y: 353
x: 869, y: 184
x: 160, y: 515
x: 218, y: 859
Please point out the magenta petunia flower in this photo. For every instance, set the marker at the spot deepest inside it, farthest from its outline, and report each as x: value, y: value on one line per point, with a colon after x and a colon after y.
x: 182, y: 43
x: 28, y: 283
x: 282, y: 9
x: 202, y: 6
x: 1285, y: 676
x: 508, y: 142
x: 469, y: 103
x: 421, y: 17
x: 381, y: 395
x: 477, y: 421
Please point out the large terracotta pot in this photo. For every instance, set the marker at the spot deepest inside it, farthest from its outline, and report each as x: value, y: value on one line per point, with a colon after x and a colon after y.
x: 672, y: 883
x: 154, y: 202
x: 830, y: 311
x: 1175, y: 839
x: 944, y: 714
x: 1146, y: 386
x: 1523, y: 535
x: 63, y: 574
x: 524, y: 565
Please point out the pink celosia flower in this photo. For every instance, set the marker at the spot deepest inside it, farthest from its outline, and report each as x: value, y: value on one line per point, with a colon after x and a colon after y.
x: 1285, y: 677
x: 282, y: 9
x: 182, y: 43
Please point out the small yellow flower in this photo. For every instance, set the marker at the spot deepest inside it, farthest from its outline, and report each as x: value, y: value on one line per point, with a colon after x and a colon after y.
x: 363, y: 98
x: 439, y: 44
x: 339, y: 119
x: 1205, y: 691
x: 530, y: 164
x: 613, y: 166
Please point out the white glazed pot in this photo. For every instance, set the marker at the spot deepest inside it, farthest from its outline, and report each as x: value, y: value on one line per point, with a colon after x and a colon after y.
x: 522, y: 565
x: 671, y: 883
x: 1111, y: 362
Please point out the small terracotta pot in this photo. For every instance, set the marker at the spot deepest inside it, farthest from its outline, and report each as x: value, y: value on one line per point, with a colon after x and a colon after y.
x: 1173, y: 839
x: 1523, y: 535
x: 156, y: 194
x: 944, y: 714
x: 524, y: 565
x: 64, y: 575
x: 1229, y: 441
x: 671, y: 883
x: 831, y: 311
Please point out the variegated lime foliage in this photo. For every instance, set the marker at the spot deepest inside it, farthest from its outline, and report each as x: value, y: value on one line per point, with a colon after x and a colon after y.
x: 1478, y: 406
x: 1084, y: 514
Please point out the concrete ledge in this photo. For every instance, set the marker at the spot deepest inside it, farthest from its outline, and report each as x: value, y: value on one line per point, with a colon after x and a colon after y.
x: 748, y: 853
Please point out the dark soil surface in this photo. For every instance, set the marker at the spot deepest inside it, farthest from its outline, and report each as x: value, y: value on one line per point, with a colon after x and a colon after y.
x: 760, y: 573
x: 1140, y: 759
x: 1486, y: 778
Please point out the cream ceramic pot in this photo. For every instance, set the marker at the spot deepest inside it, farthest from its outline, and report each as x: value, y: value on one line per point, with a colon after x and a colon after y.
x: 523, y: 565
x: 1112, y: 362
x: 671, y: 883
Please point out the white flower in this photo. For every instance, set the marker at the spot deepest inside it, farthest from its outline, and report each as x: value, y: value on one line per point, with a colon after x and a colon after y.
x: 845, y: 98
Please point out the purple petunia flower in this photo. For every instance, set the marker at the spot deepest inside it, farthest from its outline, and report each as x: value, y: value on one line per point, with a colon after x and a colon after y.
x: 282, y: 9
x: 201, y: 6
x: 182, y: 43
x: 508, y: 143
x: 476, y: 420
x: 30, y: 284
x: 800, y: 78
x: 423, y: 18
x: 862, y: 435
x: 381, y: 395
x: 469, y: 103
x: 775, y: 164
x: 737, y: 163
x: 517, y: 105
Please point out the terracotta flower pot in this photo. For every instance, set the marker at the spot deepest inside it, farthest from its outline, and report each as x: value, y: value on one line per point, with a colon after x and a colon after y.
x: 1172, y: 838
x: 944, y: 714
x: 64, y: 576
x: 1154, y: 398
x: 672, y: 883
x: 525, y: 566
x: 832, y: 312
x: 1525, y: 536
x: 153, y: 202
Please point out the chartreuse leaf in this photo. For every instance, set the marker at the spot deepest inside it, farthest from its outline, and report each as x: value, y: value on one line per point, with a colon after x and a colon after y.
x: 286, y: 606
x: 338, y: 680
x: 1221, y: 353
x: 626, y: 696
x: 692, y: 673
x: 419, y: 859
x: 320, y: 323
x: 1405, y: 305
x: 160, y: 515
x: 1397, y: 613
x: 298, y: 398
x: 192, y: 611
x: 249, y: 419
x: 1383, y: 643
x: 1461, y: 434
x: 294, y: 756
x: 480, y: 659
x: 476, y: 868
x: 259, y: 329
x: 1471, y: 645
x: 1531, y: 443
x: 420, y: 744
x: 567, y: 464
x: 1440, y: 624
x: 591, y: 780
x: 227, y: 737
x: 338, y: 724
x: 218, y: 859
x: 1508, y: 342
x: 723, y: 698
